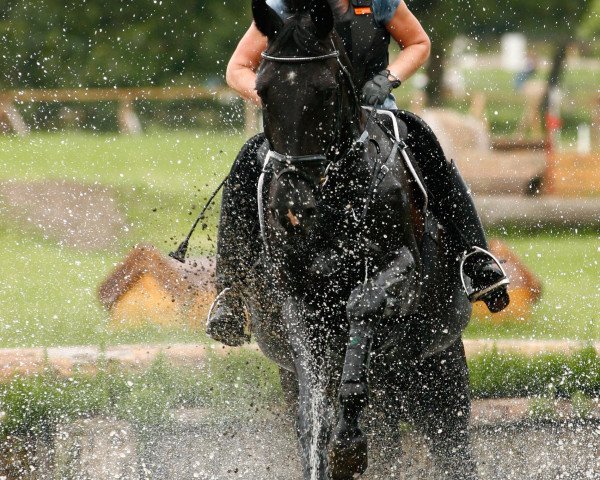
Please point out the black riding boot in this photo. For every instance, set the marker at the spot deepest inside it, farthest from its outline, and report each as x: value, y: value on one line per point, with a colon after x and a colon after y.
x: 482, y: 275
x: 238, y: 247
x: 451, y: 202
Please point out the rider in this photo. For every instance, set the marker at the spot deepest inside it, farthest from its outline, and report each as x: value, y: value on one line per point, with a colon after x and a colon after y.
x: 365, y: 27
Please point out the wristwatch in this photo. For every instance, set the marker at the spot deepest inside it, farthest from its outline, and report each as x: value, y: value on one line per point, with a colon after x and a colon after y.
x: 396, y: 82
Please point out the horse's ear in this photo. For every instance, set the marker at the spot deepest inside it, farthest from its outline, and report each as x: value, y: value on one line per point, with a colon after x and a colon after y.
x: 322, y: 17
x: 266, y: 19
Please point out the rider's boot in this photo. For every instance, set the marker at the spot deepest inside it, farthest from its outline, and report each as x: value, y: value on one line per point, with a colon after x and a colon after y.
x: 226, y: 319
x: 482, y: 275
x: 451, y: 202
x: 238, y: 247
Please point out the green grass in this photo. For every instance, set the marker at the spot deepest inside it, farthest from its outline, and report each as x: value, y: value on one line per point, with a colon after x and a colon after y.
x: 48, y: 292
x: 569, y: 268
x: 35, y: 404
x: 245, y: 381
x: 496, y: 375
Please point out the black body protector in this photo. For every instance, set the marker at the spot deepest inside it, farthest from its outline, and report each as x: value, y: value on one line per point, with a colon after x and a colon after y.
x: 366, y: 42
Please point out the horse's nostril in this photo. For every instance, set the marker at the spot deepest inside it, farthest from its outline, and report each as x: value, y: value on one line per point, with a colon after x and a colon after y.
x: 293, y: 218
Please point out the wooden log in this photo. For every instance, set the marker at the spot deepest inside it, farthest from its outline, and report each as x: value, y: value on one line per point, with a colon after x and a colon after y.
x: 115, y: 94
x: 66, y: 360
x: 535, y: 211
x: 573, y: 174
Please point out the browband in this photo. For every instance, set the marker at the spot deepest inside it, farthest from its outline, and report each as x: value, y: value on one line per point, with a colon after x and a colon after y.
x: 325, y: 56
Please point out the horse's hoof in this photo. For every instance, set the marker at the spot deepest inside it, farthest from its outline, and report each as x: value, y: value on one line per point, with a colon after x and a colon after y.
x: 347, y: 457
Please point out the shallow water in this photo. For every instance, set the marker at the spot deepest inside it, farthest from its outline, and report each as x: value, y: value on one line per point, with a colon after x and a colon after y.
x: 265, y: 449
x: 261, y: 445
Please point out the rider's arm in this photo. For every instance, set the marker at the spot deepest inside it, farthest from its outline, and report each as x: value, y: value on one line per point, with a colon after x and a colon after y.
x: 412, y: 38
x: 241, y: 69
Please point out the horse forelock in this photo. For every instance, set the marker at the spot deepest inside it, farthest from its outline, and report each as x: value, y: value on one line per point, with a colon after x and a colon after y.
x: 295, y: 6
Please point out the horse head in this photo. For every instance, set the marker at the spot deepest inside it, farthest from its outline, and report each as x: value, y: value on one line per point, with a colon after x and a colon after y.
x: 310, y: 111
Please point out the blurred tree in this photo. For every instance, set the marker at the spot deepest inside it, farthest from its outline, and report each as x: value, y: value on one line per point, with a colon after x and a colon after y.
x: 556, y: 20
x: 50, y: 43
x: 590, y: 26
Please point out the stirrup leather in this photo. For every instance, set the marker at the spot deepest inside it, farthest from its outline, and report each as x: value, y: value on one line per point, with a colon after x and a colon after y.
x: 471, y: 292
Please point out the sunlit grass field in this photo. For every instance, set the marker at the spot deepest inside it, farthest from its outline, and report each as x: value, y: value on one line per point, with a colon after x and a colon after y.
x: 48, y: 291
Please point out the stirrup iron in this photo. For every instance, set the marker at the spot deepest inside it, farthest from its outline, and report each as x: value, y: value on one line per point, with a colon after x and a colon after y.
x: 472, y: 293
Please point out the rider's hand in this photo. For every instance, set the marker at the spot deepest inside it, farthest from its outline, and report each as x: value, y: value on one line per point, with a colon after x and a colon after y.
x: 366, y: 302
x: 379, y: 87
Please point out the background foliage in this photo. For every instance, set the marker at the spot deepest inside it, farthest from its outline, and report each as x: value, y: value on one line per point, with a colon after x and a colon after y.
x: 105, y: 43
x: 93, y: 43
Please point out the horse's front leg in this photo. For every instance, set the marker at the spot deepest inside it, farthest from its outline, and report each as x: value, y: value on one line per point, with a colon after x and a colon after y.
x: 391, y: 291
x: 311, y: 363
x: 348, y: 446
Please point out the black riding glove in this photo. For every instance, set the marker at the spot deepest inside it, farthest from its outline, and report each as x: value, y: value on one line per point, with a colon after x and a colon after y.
x: 379, y: 87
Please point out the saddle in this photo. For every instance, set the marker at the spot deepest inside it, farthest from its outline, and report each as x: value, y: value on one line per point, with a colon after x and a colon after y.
x: 398, y: 142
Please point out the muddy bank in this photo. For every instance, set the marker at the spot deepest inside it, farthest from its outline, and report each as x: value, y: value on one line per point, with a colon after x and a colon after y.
x: 84, y: 216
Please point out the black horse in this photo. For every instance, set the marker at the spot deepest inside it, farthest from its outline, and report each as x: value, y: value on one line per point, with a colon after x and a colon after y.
x: 357, y: 296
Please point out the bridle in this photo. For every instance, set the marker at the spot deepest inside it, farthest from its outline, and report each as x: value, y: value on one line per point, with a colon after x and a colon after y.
x: 290, y: 163
x: 348, y: 77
